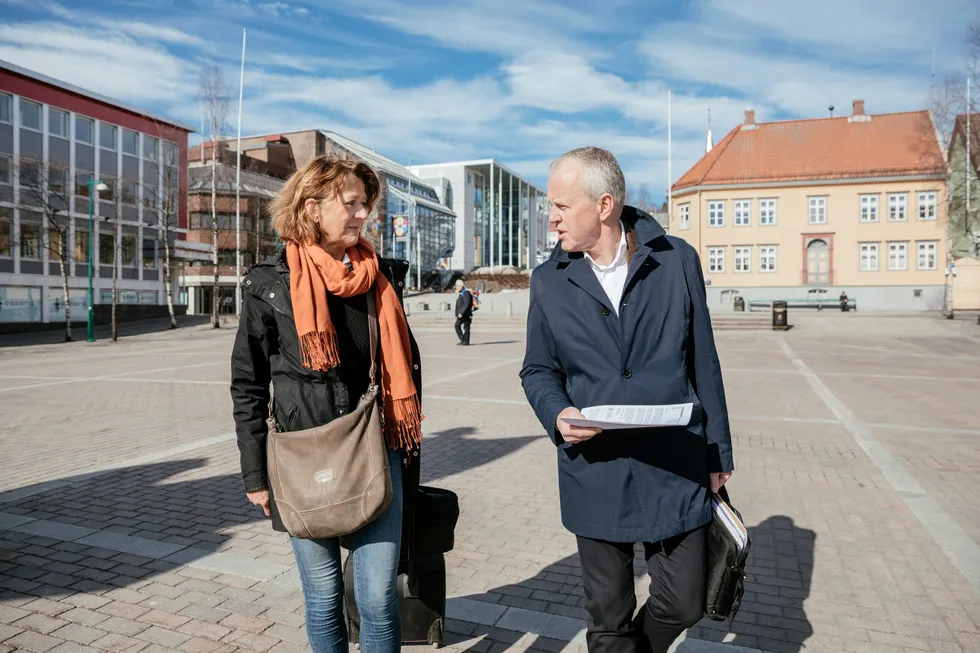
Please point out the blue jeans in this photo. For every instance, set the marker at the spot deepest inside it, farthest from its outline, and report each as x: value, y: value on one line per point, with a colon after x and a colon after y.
x: 376, y: 550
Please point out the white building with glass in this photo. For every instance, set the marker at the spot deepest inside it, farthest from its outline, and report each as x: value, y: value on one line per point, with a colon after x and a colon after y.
x: 501, y: 217
x: 57, y: 143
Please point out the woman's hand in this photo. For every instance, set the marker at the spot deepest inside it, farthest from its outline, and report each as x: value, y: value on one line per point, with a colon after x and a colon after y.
x: 261, y: 499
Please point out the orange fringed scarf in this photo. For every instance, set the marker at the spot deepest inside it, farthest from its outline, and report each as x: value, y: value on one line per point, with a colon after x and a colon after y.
x: 312, y: 274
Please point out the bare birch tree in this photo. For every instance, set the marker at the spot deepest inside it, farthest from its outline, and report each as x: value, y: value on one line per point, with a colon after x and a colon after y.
x: 216, y: 108
x: 165, y: 211
x: 47, y: 190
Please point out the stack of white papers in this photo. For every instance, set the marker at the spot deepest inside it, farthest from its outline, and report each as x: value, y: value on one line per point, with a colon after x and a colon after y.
x: 634, y: 417
x: 731, y: 521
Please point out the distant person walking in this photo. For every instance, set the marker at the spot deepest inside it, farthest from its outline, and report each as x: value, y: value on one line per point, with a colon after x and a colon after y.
x: 464, y: 313
x: 618, y: 316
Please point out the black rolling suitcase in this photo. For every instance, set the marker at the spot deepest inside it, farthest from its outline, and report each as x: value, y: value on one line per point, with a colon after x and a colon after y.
x: 427, y: 534
x: 421, y: 601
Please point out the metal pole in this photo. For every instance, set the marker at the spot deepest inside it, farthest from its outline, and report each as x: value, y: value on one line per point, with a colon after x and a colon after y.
x: 90, y: 336
x: 500, y: 217
x: 510, y: 221
x: 491, y: 211
x: 670, y: 173
x: 238, y: 184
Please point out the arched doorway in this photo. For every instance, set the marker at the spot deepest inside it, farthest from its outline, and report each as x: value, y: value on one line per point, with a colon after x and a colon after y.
x: 817, y: 262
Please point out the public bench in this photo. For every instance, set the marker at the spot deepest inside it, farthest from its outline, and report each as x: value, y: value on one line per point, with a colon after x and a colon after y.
x: 819, y: 304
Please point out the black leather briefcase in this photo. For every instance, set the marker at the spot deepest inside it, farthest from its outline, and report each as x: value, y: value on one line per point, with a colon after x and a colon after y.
x: 726, y: 562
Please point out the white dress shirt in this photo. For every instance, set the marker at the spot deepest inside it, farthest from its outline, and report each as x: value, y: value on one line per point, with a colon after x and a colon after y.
x: 612, y: 277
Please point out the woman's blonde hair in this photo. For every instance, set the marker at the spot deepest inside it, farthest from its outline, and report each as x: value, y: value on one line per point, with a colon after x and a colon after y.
x: 322, y: 178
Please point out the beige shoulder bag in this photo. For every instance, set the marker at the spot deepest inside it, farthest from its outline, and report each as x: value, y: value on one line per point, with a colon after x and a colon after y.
x: 333, y: 480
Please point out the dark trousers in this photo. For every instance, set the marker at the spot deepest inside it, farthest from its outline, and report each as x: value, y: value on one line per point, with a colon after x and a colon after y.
x: 463, y: 333
x: 678, y: 581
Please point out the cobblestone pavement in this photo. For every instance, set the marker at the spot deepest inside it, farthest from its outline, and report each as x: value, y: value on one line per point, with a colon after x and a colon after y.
x: 123, y: 526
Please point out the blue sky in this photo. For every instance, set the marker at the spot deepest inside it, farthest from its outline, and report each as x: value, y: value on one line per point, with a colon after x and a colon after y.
x: 518, y: 80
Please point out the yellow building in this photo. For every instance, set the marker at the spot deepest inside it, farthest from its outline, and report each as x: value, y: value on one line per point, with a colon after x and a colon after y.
x: 812, y: 208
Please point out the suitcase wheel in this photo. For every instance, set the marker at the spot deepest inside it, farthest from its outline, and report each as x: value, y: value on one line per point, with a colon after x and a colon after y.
x: 435, y: 634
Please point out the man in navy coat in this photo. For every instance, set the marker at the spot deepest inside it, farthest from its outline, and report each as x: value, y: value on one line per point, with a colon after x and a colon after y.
x: 618, y: 316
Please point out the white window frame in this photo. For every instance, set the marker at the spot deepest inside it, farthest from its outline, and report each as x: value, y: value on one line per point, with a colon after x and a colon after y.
x: 869, y: 256
x: 898, y: 207
x: 898, y: 251
x: 928, y: 200
x: 818, y: 210
x: 716, y: 260
x: 767, y: 212
x: 768, y: 258
x: 923, y: 249
x: 122, y: 142
x: 147, y: 154
x: 115, y: 136
x: 40, y: 115
x: 716, y: 213
x: 742, y: 255
x: 95, y: 135
x: 10, y: 107
x: 869, y: 207
x: 684, y: 216
x: 52, y: 111
x: 742, y: 210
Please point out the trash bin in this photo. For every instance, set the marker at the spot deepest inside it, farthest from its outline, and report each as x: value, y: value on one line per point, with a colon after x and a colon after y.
x: 779, y: 316
x: 740, y: 303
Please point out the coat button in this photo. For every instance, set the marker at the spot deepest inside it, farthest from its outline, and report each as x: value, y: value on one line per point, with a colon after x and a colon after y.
x: 605, y: 311
x: 627, y: 374
x: 272, y: 295
x: 415, y: 367
x: 400, y: 284
x: 248, y: 282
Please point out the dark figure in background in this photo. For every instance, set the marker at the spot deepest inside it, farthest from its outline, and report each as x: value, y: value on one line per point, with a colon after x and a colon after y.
x: 464, y: 313
x: 843, y: 302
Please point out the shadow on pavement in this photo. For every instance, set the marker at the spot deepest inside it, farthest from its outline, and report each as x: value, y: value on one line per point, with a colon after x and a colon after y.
x: 449, y: 452
x: 50, y: 335
x: 768, y: 612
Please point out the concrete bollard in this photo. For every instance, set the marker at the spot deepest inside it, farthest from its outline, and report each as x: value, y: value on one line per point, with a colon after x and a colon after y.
x: 423, y: 306
x: 408, y: 310
x: 510, y: 309
x: 491, y: 307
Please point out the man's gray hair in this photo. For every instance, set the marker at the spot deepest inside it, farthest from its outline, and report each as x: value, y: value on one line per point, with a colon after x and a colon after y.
x: 601, y: 173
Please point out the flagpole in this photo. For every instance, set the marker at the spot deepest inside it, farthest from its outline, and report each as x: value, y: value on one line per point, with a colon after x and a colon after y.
x: 238, y: 184
x: 670, y: 209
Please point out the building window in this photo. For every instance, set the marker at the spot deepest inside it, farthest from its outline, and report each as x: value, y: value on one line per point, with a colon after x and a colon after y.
x: 928, y: 259
x: 898, y: 256
x: 58, y: 181
x: 743, y: 213
x: 149, y: 254
x: 869, y: 208
x: 767, y: 258
x: 57, y: 122
x: 30, y: 240
x: 170, y: 153
x: 927, y: 205
x: 81, y: 246
x: 127, y: 250
x: 716, y: 214
x: 82, y: 184
x: 743, y: 259
x: 898, y: 207
x: 84, y: 130
x: 684, y: 216
x: 106, y: 243
x: 6, y: 176
x: 30, y: 174
x: 818, y: 210
x: 6, y: 108
x: 149, y: 198
x: 107, y: 136
x: 130, y: 143
x: 716, y: 260
x: 150, y: 145
x: 6, y: 224
x: 869, y: 257
x: 767, y: 212
x: 130, y: 193
x: 30, y: 115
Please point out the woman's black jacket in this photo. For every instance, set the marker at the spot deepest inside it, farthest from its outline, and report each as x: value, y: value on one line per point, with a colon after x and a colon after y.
x: 266, y: 350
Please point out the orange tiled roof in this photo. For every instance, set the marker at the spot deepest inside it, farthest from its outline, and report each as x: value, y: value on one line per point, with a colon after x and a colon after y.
x: 888, y: 145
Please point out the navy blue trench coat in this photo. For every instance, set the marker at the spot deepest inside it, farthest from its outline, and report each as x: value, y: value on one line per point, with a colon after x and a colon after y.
x: 635, y: 485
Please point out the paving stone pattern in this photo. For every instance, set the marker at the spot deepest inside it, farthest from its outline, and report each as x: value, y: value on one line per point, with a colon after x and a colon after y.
x: 123, y: 526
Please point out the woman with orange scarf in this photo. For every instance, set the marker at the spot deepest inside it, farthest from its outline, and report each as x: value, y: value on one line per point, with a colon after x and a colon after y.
x: 304, y: 329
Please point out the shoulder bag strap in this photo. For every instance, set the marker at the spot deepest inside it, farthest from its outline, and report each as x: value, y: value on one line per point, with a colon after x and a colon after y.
x: 372, y: 311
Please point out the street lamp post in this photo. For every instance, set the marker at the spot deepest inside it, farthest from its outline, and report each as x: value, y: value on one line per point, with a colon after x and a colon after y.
x: 92, y: 189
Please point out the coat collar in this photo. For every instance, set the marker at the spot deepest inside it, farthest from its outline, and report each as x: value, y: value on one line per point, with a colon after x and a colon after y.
x: 641, y: 229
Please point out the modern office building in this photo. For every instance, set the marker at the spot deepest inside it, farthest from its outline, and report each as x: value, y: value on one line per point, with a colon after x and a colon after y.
x: 411, y: 222
x: 501, y: 217
x: 57, y: 143
x: 811, y: 208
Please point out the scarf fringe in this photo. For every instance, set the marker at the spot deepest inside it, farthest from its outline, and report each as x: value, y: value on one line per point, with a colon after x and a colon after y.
x: 319, y: 350
x: 403, y: 423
